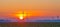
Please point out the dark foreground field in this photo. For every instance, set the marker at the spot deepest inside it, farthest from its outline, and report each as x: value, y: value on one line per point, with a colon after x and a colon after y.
x: 31, y: 24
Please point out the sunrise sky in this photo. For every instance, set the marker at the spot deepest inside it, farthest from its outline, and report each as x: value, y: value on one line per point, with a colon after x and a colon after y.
x: 34, y: 7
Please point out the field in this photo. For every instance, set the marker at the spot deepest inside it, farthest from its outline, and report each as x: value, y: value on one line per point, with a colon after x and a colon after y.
x: 30, y: 24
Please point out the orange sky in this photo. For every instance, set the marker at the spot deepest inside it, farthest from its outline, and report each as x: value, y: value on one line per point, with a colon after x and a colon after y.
x: 35, y: 7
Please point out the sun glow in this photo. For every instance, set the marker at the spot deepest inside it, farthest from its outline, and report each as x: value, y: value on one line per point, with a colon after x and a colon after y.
x: 21, y: 16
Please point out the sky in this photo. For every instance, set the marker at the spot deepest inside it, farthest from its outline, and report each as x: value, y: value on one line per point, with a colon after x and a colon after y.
x: 34, y: 7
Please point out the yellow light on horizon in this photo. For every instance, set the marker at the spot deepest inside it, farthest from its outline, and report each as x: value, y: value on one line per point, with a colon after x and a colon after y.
x: 21, y: 16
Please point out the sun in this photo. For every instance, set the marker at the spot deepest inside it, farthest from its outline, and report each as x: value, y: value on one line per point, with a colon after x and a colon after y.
x: 21, y: 15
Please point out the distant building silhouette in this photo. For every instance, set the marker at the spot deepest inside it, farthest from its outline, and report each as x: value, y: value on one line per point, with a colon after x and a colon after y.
x: 2, y: 20
x: 47, y: 21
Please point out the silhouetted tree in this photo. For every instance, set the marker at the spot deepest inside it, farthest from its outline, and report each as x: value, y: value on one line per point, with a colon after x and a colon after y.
x: 58, y: 17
